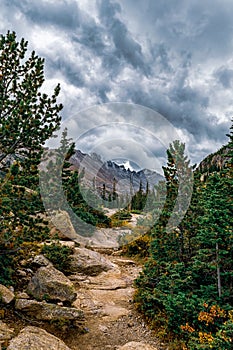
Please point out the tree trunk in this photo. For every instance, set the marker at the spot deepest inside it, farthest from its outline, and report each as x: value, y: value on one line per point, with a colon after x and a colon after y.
x: 218, y: 272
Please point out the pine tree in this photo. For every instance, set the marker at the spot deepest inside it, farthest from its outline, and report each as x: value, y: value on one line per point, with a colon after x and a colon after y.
x: 214, y: 236
x: 114, y: 194
x: 62, y: 190
x: 168, y: 239
x: 28, y: 118
x: 186, y: 285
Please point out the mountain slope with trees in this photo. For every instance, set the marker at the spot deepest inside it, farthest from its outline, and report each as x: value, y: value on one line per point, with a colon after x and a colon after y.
x: 186, y: 287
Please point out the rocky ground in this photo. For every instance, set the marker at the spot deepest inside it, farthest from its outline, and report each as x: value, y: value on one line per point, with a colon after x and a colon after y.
x: 112, y: 320
x: 90, y: 308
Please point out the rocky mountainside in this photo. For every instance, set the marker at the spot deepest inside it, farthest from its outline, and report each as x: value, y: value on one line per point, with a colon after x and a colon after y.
x: 98, y: 173
x: 214, y: 162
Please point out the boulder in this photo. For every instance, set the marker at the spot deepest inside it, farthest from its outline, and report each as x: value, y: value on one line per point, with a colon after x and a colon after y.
x: 137, y: 346
x: 89, y: 262
x: 61, y: 220
x: 51, y: 284
x: 6, y: 295
x: 47, y: 312
x: 34, y: 338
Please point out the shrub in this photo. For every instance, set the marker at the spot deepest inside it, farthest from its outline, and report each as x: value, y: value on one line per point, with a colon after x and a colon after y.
x: 139, y: 246
x: 6, y: 269
x: 120, y: 218
x: 59, y: 255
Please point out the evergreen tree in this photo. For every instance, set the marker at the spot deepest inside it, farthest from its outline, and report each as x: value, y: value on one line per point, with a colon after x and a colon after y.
x: 61, y: 189
x: 214, y: 235
x: 27, y: 116
x: 27, y: 119
x: 186, y: 285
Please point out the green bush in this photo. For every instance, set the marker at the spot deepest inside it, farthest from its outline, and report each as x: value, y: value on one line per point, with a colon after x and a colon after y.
x: 59, y: 255
x: 135, y: 211
x: 139, y: 246
x: 6, y: 269
x: 122, y: 215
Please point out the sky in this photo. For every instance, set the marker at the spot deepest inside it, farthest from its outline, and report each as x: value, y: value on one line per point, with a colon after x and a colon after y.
x: 134, y: 74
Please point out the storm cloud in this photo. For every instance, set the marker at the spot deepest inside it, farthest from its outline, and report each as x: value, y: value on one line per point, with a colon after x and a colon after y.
x: 174, y: 57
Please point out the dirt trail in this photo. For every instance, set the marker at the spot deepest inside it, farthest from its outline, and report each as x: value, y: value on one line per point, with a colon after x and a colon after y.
x: 112, y: 320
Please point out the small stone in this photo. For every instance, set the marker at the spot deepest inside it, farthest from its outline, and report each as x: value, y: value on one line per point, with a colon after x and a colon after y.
x: 103, y: 328
x: 6, y: 295
x: 22, y: 295
x: 41, y: 260
x: 70, y: 244
x: 89, y: 262
x: 23, y: 262
x: 21, y: 273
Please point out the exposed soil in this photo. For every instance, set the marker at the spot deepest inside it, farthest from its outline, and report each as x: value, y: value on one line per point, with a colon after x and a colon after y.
x: 115, y: 320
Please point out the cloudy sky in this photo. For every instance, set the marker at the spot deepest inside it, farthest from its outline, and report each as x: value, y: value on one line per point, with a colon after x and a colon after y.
x: 174, y: 57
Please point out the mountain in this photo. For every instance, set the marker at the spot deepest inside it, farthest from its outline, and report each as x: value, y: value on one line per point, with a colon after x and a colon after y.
x: 214, y: 162
x: 98, y: 173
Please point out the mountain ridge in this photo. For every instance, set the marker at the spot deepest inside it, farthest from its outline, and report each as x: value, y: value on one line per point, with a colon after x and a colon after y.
x: 99, y: 173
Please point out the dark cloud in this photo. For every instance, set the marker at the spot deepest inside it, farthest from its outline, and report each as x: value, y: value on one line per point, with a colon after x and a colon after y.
x: 224, y: 76
x: 126, y: 47
x: 172, y: 56
x: 204, y: 28
x: 60, y: 13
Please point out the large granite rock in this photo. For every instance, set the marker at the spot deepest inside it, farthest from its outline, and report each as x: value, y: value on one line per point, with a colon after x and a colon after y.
x: 137, y: 346
x: 89, y: 262
x: 6, y: 295
x: 63, y: 223
x: 50, y: 284
x: 47, y: 312
x: 34, y: 338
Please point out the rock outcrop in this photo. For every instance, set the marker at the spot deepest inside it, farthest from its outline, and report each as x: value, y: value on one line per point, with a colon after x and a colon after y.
x: 109, y: 172
x: 50, y: 284
x: 34, y: 338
